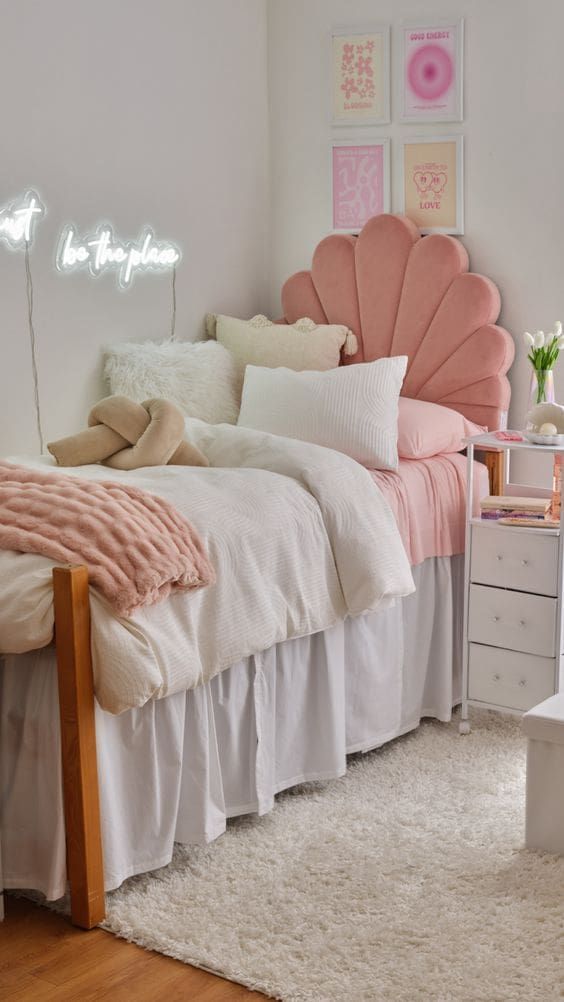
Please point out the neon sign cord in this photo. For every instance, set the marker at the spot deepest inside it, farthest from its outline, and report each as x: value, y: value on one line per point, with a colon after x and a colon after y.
x: 29, y: 295
x: 173, y: 315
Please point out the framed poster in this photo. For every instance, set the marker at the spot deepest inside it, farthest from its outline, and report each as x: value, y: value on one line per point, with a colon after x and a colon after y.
x: 361, y: 182
x: 431, y: 74
x: 432, y: 191
x: 360, y: 67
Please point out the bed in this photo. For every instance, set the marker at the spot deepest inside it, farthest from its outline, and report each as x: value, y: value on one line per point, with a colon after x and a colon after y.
x: 177, y: 767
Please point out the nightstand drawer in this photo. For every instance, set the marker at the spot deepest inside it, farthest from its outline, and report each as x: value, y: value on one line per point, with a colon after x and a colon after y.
x: 512, y: 619
x: 509, y: 678
x: 512, y: 558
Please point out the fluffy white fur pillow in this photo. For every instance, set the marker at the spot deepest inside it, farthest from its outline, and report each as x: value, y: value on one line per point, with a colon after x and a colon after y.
x: 200, y: 378
x: 303, y: 345
x: 353, y: 409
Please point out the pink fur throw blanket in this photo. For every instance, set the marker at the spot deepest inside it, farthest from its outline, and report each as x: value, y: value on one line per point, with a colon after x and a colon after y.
x: 136, y: 546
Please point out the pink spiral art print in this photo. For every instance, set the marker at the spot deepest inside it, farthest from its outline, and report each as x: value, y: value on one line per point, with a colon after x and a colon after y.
x: 432, y: 73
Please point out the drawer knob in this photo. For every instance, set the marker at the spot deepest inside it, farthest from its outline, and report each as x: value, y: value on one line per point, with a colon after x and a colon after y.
x: 499, y: 557
x: 496, y: 619
x: 521, y: 622
x: 496, y: 677
x: 525, y: 563
x: 523, y: 683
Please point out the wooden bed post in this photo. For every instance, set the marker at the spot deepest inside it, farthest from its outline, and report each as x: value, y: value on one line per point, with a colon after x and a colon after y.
x: 495, y: 462
x: 78, y: 746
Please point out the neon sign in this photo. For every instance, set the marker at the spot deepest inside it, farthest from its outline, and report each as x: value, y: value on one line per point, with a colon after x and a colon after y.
x: 17, y: 221
x: 101, y: 251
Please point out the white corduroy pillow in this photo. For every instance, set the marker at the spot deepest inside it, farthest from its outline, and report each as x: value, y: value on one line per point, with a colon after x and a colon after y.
x: 201, y: 377
x: 353, y: 409
x: 299, y: 346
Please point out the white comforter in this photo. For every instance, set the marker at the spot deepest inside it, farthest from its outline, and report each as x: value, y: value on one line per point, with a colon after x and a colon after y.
x: 300, y: 537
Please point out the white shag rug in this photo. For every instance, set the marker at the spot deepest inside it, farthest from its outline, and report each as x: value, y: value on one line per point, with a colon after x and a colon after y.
x: 405, y: 880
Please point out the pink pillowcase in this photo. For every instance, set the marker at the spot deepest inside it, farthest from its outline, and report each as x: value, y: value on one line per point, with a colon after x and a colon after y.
x: 426, y: 429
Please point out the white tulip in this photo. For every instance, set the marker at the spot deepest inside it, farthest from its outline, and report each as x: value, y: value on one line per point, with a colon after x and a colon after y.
x: 560, y: 343
x: 539, y: 339
x: 528, y: 339
x: 558, y: 329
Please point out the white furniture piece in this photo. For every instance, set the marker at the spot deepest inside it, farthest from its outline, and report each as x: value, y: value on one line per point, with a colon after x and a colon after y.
x: 544, y: 727
x: 512, y: 657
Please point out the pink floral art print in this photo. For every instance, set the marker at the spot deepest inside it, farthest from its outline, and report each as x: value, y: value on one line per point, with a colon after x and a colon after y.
x: 360, y: 184
x: 432, y: 73
x: 361, y: 77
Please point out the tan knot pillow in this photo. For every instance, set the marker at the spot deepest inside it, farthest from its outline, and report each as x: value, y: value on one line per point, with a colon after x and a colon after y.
x: 126, y: 435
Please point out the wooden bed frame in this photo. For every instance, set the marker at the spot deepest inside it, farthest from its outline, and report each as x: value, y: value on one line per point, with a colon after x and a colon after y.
x: 85, y: 866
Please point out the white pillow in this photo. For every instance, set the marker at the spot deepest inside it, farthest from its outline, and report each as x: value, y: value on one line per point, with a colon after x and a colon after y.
x: 200, y: 378
x: 303, y: 345
x: 353, y: 409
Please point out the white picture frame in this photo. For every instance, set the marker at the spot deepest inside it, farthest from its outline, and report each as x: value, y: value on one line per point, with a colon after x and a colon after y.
x: 434, y: 64
x: 345, y: 170
x: 435, y: 205
x: 357, y: 106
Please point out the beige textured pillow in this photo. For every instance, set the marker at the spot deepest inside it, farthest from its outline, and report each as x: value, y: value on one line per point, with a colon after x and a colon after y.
x: 300, y: 346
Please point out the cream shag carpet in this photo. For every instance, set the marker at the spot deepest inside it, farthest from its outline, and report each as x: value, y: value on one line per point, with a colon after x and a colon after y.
x: 405, y: 880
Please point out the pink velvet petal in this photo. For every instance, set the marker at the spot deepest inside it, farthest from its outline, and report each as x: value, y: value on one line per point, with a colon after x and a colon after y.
x: 445, y: 259
x: 474, y: 401
x: 470, y: 302
x: 382, y: 253
x: 334, y: 276
x: 481, y: 355
x: 299, y: 299
x: 481, y: 393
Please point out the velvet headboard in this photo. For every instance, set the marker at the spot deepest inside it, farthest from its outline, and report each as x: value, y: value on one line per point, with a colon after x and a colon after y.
x: 403, y: 294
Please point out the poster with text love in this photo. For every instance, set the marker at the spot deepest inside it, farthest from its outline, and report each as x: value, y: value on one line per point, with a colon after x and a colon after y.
x: 432, y: 184
x: 432, y: 73
x: 360, y: 183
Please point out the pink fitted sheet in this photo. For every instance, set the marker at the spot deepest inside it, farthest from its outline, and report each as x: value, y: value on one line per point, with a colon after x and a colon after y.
x: 428, y: 499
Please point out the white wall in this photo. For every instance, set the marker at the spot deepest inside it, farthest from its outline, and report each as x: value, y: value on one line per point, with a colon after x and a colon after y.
x: 139, y: 112
x: 514, y: 138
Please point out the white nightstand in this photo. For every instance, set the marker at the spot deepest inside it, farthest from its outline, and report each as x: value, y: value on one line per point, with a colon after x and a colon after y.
x: 512, y: 656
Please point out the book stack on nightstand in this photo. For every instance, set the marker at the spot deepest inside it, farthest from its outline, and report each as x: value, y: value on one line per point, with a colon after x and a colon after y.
x: 509, y: 510
x: 513, y: 594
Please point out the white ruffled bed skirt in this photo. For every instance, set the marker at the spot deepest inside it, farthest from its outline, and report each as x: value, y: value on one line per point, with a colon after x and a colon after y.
x: 176, y: 769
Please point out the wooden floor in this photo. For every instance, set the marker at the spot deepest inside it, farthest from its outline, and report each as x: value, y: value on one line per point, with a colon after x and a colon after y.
x: 45, y: 959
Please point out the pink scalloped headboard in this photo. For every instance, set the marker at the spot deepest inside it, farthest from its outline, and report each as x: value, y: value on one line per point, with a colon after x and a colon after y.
x: 403, y: 294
